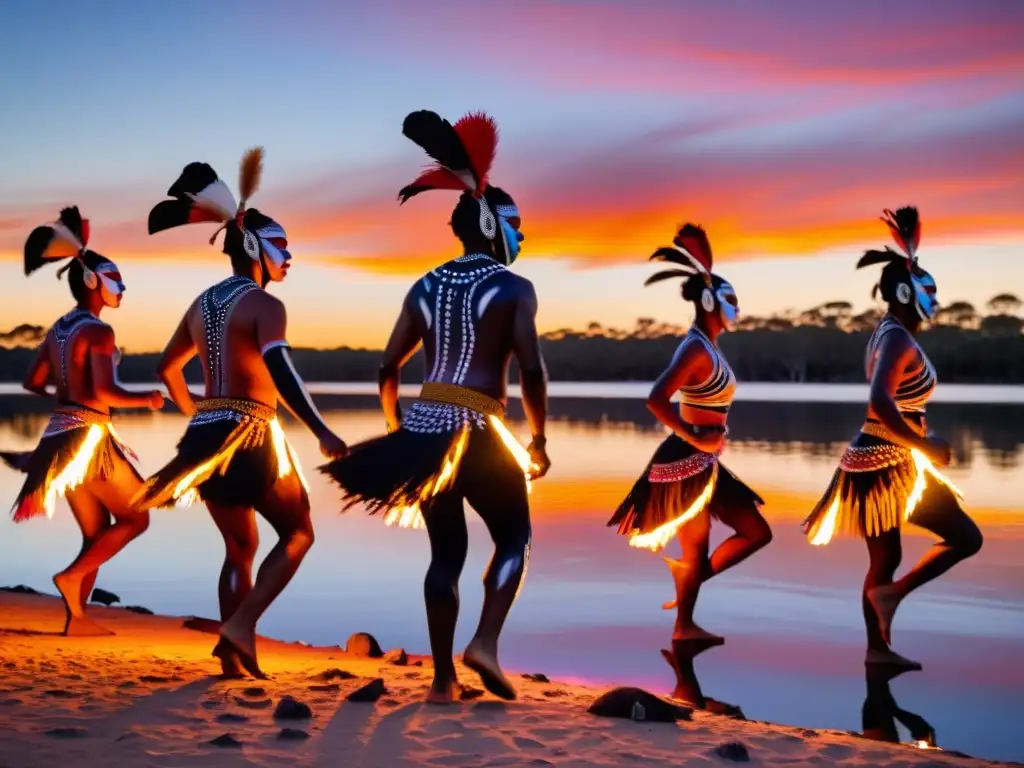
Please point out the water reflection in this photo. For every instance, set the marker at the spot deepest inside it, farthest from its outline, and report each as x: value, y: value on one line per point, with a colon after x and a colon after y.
x: 590, y: 609
x: 687, y: 688
x: 880, y: 712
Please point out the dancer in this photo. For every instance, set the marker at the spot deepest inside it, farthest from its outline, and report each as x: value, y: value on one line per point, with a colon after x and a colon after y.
x: 471, y: 315
x: 887, y: 476
x: 234, y: 455
x: 79, y: 456
x: 685, y: 485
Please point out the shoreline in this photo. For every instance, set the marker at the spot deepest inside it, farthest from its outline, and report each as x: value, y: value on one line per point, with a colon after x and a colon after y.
x: 750, y: 391
x: 147, y: 696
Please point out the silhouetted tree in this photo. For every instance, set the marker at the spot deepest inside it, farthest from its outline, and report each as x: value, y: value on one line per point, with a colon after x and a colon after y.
x: 1004, y: 304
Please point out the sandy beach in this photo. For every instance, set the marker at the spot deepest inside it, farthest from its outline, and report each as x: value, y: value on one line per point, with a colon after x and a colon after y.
x: 148, y: 696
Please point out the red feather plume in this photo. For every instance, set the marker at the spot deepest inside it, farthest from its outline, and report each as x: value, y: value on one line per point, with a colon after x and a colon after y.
x: 695, y: 240
x: 479, y: 135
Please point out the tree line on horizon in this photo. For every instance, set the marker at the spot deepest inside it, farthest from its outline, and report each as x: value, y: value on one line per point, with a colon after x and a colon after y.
x: 822, y: 344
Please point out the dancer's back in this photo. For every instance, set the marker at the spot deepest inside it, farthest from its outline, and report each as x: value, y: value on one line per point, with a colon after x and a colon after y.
x: 466, y: 313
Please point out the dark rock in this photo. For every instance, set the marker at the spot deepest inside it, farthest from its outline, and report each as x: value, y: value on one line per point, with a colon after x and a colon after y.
x: 716, y: 707
x: 325, y: 688
x: 74, y: 732
x: 103, y: 597
x: 138, y: 609
x: 231, y: 717
x: 372, y: 691
x: 127, y: 684
x: 225, y: 740
x: 291, y: 709
x: 418, y: 663
x: 61, y: 693
x: 537, y: 677
x: 253, y: 703
x: 154, y: 679
x: 733, y: 751
x: 21, y: 589
x: 292, y: 734
x: 334, y: 674
x: 622, y: 703
x: 555, y: 693
x: 126, y: 736
x: 398, y: 657
x: 363, y: 644
x: 254, y: 692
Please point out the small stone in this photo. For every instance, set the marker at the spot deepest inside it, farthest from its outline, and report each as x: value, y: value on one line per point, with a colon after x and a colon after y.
x: 292, y: 734
x: 372, y: 691
x: 61, y: 693
x: 398, y: 657
x: 254, y: 692
x: 154, y: 679
x: 621, y: 702
x: 225, y: 740
x: 363, y: 644
x: 733, y: 751
x: 536, y: 677
x: 73, y: 732
x: 291, y: 709
x: 103, y: 597
x: 127, y: 684
x: 253, y: 703
x: 334, y: 674
x: 325, y: 688
x: 231, y: 717
x: 138, y: 609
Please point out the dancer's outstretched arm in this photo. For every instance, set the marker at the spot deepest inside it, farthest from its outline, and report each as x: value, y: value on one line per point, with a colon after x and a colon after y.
x: 533, y: 377
x: 401, y: 345
x: 171, y: 369
x: 104, y: 382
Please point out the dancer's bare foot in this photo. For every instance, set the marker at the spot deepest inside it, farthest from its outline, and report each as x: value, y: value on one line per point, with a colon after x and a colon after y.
x: 81, y: 626
x: 889, y: 658
x: 697, y: 634
x: 240, y: 646
x: 448, y: 692
x: 885, y: 600
x: 485, y: 664
x: 230, y: 667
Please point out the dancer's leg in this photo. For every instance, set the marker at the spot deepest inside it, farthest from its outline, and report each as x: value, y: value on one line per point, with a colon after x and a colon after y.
x: 688, y: 574
x: 237, y: 525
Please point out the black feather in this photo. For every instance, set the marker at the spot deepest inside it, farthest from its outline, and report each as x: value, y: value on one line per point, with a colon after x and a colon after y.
x: 168, y: 214
x: 18, y: 461
x: 674, y: 256
x: 880, y: 257
x: 35, y: 247
x: 437, y: 137
x: 410, y: 191
x: 194, y: 178
x: 668, y: 274
x: 72, y: 219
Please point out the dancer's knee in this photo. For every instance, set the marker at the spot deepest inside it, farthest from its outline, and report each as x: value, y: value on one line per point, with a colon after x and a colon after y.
x: 760, y: 535
x: 139, y: 522
x: 441, y: 583
x: 300, y: 540
x: 968, y: 544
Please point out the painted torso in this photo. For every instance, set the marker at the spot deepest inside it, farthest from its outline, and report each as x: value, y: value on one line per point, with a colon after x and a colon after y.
x: 216, y: 304
x: 918, y: 379
x: 716, y: 393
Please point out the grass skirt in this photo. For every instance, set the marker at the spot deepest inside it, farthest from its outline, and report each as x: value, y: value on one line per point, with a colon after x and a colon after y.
x: 77, y: 446
x: 679, y: 483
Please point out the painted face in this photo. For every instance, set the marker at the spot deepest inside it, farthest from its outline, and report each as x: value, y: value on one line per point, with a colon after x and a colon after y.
x: 925, y: 301
x: 728, y: 306
x: 274, y: 247
x: 507, y: 243
x: 110, y: 284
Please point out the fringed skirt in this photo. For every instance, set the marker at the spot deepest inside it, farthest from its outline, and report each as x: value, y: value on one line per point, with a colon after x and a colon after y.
x: 78, y: 445
x: 678, y: 484
x: 398, y: 474
x: 877, y: 487
x: 232, y: 454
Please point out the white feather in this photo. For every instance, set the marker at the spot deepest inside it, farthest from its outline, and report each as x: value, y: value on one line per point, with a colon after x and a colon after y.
x: 691, y: 258
x: 63, y: 233
x: 217, y: 198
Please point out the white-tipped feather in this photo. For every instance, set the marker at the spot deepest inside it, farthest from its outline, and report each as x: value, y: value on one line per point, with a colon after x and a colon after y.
x: 690, y: 258
x: 62, y: 236
x: 217, y: 198
x: 466, y: 178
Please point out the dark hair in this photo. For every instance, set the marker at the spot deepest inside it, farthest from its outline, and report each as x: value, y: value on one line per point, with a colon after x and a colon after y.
x: 693, y: 288
x: 233, y: 246
x: 466, y: 216
x: 76, y: 272
x: 894, y: 273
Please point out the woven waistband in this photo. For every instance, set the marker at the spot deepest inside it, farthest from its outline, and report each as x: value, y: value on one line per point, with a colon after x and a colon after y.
x: 248, y: 408
x: 82, y: 414
x: 875, y: 429
x: 452, y: 394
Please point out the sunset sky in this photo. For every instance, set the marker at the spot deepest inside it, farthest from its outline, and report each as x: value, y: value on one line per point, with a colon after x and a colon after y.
x: 783, y: 127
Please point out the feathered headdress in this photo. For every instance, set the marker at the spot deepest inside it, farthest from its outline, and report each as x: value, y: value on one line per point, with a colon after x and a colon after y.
x: 201, y: 196
x: 905, y: 226
x: 463, y: 153
x: 691, y: 250
x: 65, y: 238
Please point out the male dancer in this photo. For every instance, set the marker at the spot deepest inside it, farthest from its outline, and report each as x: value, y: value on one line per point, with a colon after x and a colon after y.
x: 234, y: 454
x: 471, y: 315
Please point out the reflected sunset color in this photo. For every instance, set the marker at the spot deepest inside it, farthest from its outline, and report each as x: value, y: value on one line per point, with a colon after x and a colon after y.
x: 590, y: 608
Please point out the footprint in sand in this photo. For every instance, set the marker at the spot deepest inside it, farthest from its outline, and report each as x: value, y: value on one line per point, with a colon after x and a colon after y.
x: 524, y: 743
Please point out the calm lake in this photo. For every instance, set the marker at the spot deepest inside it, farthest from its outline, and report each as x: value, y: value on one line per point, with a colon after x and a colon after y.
x: 590, y: 607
